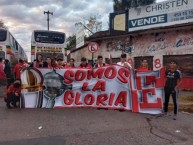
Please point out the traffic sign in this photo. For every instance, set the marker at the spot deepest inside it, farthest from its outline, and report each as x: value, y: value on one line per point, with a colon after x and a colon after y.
x: 93, y: 47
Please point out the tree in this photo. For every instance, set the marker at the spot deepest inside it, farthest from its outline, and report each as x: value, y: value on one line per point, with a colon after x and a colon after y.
x: 117, y: 5
x: 2, y: 25
x: 127, y: 4
x: 93, y: 25
x: 71, y: 42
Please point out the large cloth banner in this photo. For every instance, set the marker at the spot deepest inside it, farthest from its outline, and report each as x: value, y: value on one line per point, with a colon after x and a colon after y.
x: 112, y: 87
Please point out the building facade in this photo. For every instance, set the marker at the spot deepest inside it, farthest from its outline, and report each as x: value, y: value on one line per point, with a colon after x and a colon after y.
x: 158, y: 32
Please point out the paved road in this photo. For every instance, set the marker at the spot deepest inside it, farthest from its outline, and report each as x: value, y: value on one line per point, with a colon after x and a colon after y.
x: 91, y: 127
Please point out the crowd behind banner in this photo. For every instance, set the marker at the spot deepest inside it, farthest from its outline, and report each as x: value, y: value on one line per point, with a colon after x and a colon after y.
x: 172, y: 75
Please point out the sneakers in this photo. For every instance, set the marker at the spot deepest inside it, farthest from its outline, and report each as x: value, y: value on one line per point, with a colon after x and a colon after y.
x: 163, y: 114
x: 174, y: 116
x: 8, y: 106
x: 11, y: 106
x: 14, y: 105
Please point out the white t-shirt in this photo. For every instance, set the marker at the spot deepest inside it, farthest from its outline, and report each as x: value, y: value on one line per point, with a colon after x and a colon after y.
x: 122, y: 64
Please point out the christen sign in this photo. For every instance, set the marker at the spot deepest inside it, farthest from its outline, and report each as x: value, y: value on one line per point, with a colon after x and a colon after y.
x: 166, y: 13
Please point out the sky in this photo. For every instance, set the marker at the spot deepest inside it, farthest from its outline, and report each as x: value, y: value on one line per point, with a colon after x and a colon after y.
x: 21, y: 17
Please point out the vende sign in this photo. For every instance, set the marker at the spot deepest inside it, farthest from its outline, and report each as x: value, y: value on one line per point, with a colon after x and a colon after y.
x: 112, y: 87
x: 166, y: 13
x: 148, y: 21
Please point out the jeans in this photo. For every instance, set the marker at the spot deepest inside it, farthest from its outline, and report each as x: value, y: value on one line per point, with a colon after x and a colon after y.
x: 174, y: 95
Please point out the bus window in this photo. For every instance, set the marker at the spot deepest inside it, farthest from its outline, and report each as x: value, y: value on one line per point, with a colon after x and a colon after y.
x: 3, y: 35
x: 19, y: 49
x: 11, y: 40
x: 16, y: 46
x: 13, y: 43
x: 49, y: 37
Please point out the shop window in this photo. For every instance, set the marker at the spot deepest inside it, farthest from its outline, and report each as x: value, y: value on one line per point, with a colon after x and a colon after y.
x: 185, y: 63
x: 137, y: 61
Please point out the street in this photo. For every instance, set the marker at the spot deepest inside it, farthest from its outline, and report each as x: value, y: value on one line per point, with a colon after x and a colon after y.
x: 71, y: 60
x: 80, y: 126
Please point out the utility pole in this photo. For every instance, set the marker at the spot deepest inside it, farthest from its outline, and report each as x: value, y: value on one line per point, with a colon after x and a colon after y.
x: 48, y: 13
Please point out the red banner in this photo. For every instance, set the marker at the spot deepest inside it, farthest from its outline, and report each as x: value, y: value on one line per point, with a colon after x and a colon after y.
x: 112, y: 87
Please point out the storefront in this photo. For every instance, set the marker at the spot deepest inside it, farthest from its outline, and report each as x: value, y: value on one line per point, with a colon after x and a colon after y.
x: 158, y: 42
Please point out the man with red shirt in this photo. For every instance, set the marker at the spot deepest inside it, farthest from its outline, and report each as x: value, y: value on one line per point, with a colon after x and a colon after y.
x: 144, y: 66
x: 84, y: 64
x: 13, y: 94
x: 99, y: 62
x: 71, y: 64
x: 18, y: 68
x: 60, y: 63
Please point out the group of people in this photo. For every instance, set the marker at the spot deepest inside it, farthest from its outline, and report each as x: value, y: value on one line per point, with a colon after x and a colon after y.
x: 56, y: 63
x: 172, y: 75
x: 10, y: 82
x: 172, y: 82
x: 60, y: 64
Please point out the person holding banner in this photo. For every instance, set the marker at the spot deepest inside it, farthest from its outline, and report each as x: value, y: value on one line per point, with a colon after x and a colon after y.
x: 60, y: 63
x: 50, y: 63
x: 99, y: 62
x: 173, y: 80
x: 123, y: 61
x: 71, y: 64
x: 144, y: 66
x: 84, y: 63
x: 38, y: 63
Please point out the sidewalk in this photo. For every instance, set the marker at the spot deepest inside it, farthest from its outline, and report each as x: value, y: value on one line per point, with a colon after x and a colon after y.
x: 186, y: 93
x: 185, y: 101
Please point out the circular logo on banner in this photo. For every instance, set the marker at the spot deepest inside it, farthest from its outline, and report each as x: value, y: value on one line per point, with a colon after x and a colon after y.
x: 93, y: 47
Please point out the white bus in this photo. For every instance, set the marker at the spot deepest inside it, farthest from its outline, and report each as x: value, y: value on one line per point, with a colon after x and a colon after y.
x: 48, y: 44
x: 9, y: 48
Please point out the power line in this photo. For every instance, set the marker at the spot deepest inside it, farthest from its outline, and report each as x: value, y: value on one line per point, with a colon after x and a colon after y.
x: 76, y: 24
